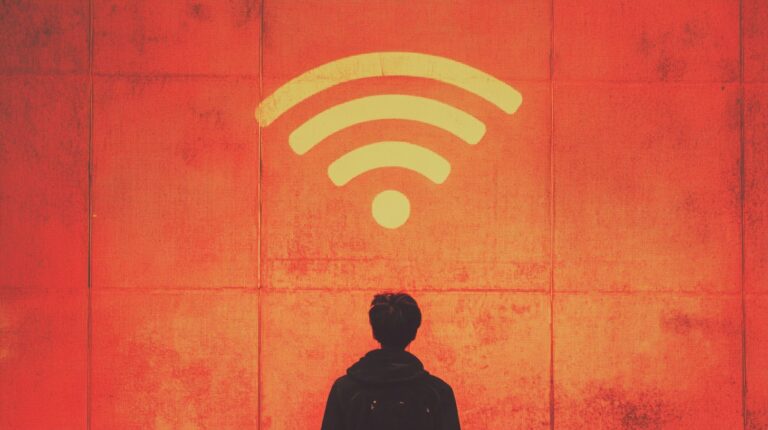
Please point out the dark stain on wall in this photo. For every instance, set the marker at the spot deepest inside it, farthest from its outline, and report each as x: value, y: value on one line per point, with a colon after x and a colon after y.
x: 621, y: 409
x: 757, y: 419
x: 44, y: 36
x: 200, y: 11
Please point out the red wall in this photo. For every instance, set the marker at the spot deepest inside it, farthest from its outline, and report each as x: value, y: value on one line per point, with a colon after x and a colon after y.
x: 599, y: 260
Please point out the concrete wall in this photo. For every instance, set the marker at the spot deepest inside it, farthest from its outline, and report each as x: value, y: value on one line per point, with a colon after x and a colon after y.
x: 599, y: 260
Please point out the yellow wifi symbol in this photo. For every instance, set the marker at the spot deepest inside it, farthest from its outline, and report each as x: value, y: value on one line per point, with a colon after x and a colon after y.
x: 390, y: 208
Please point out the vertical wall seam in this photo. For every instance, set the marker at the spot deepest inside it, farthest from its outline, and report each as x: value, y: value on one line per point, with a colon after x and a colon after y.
x: 742, y: 192
x: 260, y: 319
x: 552, y: 218
x: 89, y: 318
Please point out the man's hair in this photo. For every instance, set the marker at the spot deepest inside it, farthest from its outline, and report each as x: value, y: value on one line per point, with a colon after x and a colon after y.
x: 395, y: 318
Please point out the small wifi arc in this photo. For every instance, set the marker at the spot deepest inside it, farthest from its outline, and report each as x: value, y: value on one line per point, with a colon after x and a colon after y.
x: 390, y: 208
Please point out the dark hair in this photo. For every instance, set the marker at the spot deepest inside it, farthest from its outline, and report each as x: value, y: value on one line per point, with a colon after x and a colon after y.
x: 394, y: 318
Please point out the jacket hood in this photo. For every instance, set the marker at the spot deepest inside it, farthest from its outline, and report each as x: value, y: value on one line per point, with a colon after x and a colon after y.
x: 387, y: 365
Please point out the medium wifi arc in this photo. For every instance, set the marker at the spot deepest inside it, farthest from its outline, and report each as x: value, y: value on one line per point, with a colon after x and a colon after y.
x: 390, y: 208
x: 390, y: 106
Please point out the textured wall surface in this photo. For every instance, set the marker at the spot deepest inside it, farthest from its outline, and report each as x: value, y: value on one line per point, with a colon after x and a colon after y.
x: 598, y: 261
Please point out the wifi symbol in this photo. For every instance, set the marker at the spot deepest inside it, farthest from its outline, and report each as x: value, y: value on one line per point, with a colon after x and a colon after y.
x: 390, y: 208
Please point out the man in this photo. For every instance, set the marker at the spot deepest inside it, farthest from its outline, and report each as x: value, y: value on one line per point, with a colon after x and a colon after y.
x: 388, y: 389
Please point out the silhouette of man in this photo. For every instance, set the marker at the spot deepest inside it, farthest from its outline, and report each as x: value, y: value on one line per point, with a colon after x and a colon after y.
x: 388, y: 388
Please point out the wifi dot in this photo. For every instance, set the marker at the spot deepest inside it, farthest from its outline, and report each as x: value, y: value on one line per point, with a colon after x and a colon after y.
x: 391, y: 209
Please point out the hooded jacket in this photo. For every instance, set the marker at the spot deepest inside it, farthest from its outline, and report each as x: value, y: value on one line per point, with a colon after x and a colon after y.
x: 386, y: 366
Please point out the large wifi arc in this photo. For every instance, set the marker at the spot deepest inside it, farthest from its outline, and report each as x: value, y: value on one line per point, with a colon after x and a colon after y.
x: 379, y: 64
x: 390, y: 208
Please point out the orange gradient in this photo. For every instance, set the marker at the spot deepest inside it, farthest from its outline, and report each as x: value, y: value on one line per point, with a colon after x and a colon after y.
x: 596, y: 257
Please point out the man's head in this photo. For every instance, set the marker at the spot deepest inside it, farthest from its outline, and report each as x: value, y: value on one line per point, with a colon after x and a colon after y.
x: 394, y: 318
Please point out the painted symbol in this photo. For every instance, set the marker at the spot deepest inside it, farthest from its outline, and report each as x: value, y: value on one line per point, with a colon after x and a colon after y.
x: 390, y: 208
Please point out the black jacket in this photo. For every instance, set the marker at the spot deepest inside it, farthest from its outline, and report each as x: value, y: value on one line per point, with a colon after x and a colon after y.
x: 385, y: 366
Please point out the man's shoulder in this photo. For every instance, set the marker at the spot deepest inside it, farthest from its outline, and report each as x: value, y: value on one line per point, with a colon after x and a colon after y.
x: 438, y: 383
x: 344, y: 381
x: 345, y: 385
